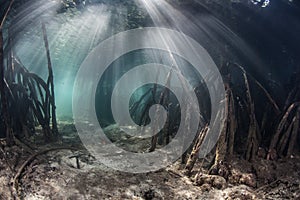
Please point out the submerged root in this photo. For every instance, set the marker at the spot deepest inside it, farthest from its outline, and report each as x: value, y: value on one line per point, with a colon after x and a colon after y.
x: 286, y: 133
x: 17, y: 177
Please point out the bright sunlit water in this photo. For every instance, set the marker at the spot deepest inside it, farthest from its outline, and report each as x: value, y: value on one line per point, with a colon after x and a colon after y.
x: 74, y: 32
x: 71, y: 36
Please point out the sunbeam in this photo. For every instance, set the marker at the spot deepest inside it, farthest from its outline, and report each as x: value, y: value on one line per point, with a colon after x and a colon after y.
x: 70, y: 39
x: 149, y: 99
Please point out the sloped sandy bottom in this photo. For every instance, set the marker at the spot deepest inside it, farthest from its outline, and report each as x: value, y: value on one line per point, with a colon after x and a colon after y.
x: 60, y: 179
x: 74, y: 174
x: 57, y: 176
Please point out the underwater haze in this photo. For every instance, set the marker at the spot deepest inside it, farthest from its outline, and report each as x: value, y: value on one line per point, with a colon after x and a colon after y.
x: 262, y: 36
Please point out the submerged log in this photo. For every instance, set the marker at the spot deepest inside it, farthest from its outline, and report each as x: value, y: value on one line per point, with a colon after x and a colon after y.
x: 4, y: 103
x: 296, y: 127
x: 252, y: 140
x: 232, y: 124
x: 284, y: 122
x: 268, y: 95
x: 50, y: 83
x: 221, y: 148
x: 163, y: 98
x: 194, y: 154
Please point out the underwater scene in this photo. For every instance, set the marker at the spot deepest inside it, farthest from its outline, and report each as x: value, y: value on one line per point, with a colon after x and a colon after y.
x: 149, y: 99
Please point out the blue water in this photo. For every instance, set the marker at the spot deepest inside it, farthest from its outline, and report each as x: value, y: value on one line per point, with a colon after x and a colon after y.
x: 262, y: 36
